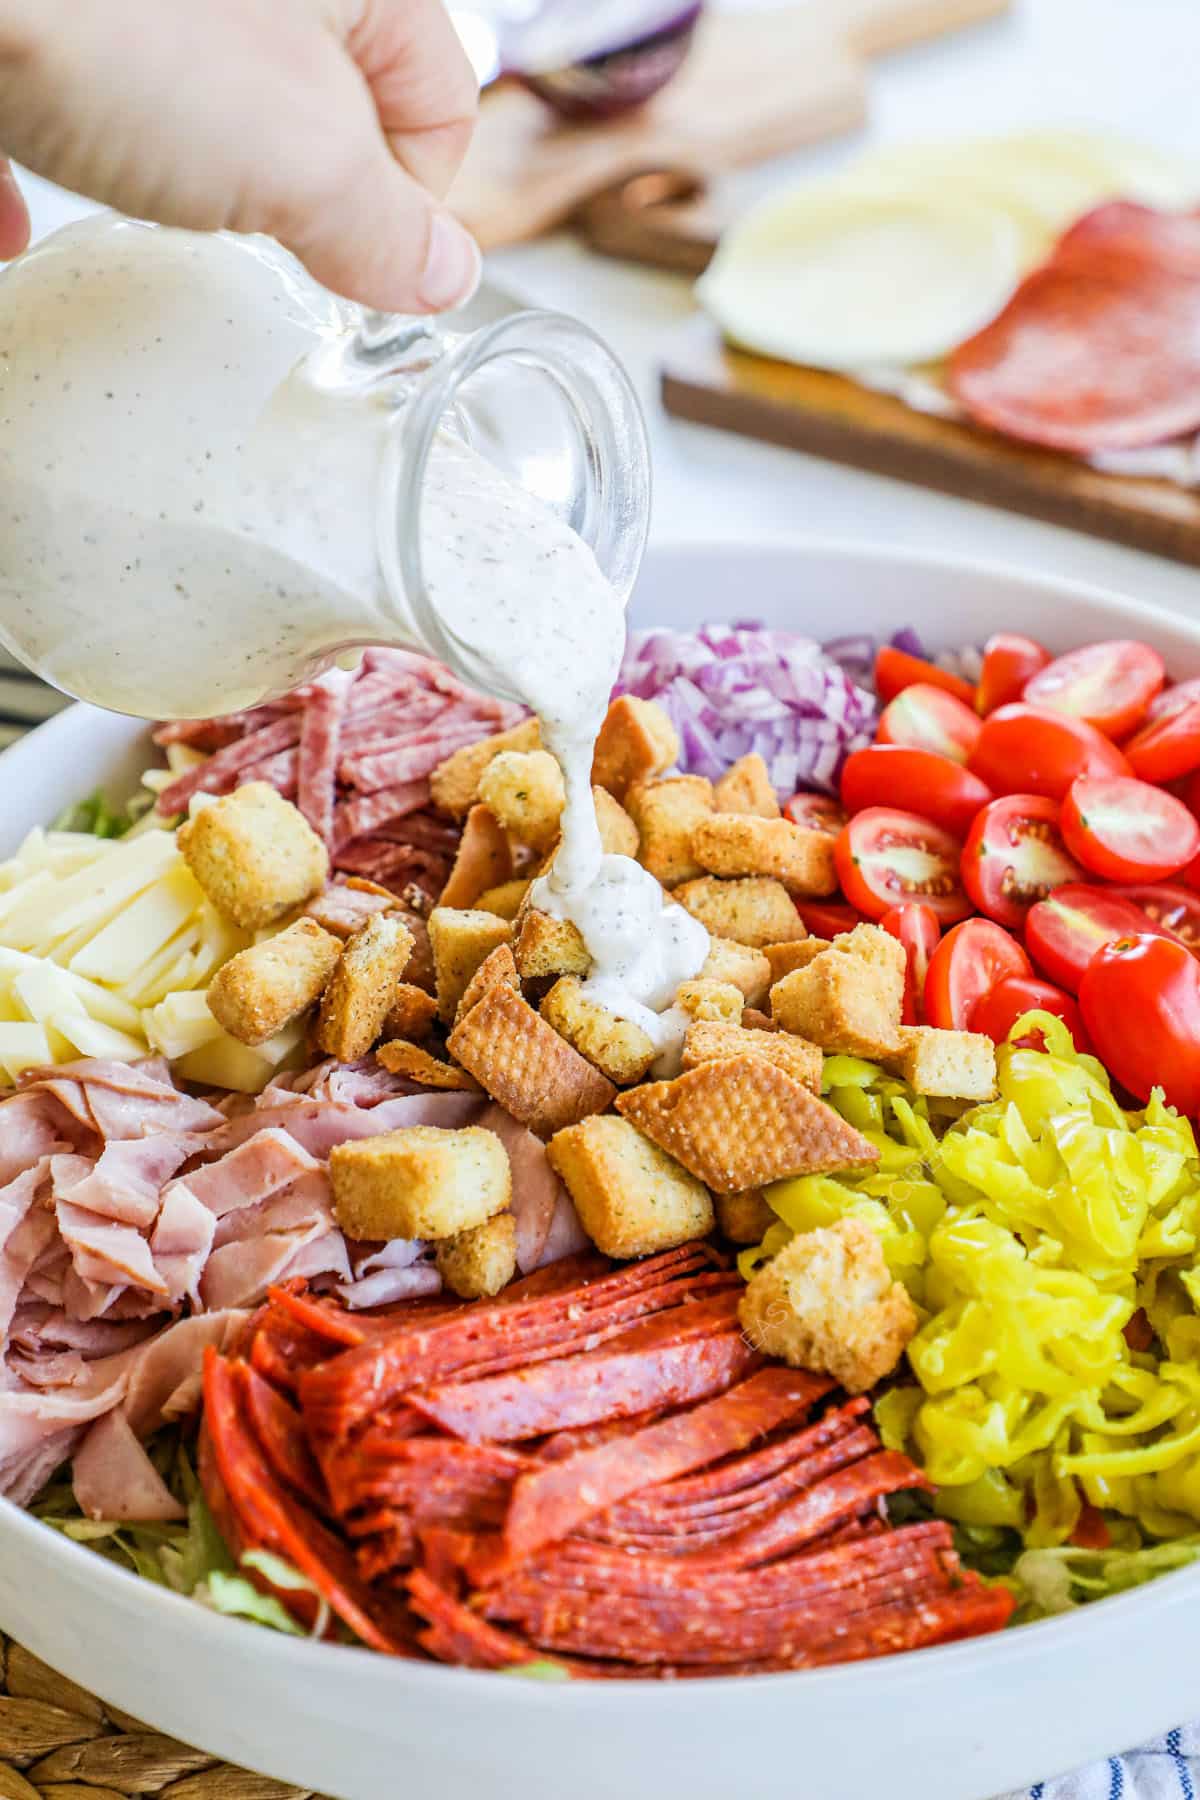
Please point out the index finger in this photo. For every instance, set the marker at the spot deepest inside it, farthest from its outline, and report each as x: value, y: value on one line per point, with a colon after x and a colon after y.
x: 422, y: 83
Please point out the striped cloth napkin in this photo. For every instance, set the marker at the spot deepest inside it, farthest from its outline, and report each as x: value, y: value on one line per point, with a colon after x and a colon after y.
x: 24, y: 700
x: 1168, y: 1768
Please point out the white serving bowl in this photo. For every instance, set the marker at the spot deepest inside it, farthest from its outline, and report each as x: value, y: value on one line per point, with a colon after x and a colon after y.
x: 959, y: 1723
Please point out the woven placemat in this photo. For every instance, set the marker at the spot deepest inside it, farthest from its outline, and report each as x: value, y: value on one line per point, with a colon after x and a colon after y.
x: 58, y: 1742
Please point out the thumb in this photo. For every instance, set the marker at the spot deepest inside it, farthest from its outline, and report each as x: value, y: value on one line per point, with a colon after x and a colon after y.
x: 14, y: 216
x: 383, y: 240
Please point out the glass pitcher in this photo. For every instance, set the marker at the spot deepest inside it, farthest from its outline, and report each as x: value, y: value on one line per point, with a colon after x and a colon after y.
x: 212, y: 470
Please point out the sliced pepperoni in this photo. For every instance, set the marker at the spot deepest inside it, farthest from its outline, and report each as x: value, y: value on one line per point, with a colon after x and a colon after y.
x: 280, y: 1433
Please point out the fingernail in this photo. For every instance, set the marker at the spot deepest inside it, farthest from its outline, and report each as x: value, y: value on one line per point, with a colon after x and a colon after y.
x: 452, y: 265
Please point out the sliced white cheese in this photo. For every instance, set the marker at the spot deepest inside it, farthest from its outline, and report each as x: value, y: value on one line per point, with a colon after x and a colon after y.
x: 140, y: 929
x: 22, y: 1046
x: 92, y: 1038
x: 180, y: 1024
x: 223, y: 1062
x: 43, y: 990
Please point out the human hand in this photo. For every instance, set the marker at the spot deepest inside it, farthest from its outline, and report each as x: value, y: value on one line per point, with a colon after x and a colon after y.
x: 335, y: 126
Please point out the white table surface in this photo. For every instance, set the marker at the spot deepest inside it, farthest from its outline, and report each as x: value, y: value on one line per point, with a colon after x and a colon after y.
x: 1126, y: 66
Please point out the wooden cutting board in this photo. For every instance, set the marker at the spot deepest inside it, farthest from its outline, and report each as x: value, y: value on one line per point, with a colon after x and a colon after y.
x: 755, y: 85
x: 705, y: 380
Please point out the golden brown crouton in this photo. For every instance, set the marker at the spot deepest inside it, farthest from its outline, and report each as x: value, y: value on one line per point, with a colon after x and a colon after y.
x: 478, y: 1262
x: 454, y: 784
x: 260, y: 990
x: 632, y: 1200
x: 637, y: 740
x: 549, y: 946
x: 254, y: 854
x: 362, y: 987
x: 460, y: 939
x: 619, y: 1049
x: 737, y: 844
x: 740, y: 1122
x: 754, y: 911
x: 952, y: 1065
x: 871, y: 944
x: 505, y: 900
x: 783, y: 958
x: 420, y: 1182
x: 666, y: 814
x: 483, y: 860
x: 411, y: 1013
x: 415, y: 1063
x: 524, y: 789
x: 703, y: 998
x: 618, y: 833
x: 745, y: 787
x: 828, y: 1302
x: 743, y: 1218
x: 522, y: 1062
x: 795, y: 1056
x: 841, y: 1003
x: 746, y: 968
x: 498, y: 969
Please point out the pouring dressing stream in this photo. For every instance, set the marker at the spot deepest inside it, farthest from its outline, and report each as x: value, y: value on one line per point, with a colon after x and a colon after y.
x: 216, y: 480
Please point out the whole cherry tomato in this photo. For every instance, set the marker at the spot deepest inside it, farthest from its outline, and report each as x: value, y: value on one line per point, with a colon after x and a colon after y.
x: 1009, y: 661
x: 1015, y: 856
x: 816, y: 812
x: 1127, y: 830
x: 896, y: 670
x: 1168, y: 746
x: 1064, y: 931
x: 918, y: 930
x: 1110, y: 684
x: 1140, y: 999
x: 885, y: 857
x: 968, y: 962
x: 917, y: 781
x: 1024, y: 749
x: 927, y: 718
x: 997, y: 1011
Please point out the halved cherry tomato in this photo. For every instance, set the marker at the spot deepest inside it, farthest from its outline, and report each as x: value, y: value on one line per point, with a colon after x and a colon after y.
x: 816, y: 812
x: 885, y: 857
x: 1064, y: 931
x: 1009, y: 661
x: 969, y: 961
x: 1170, y: 700
x: 918, y: 930
x: 1126, y: 830
x: 1168, y: 747
x: 925, y: 718
x: 1171, y: 909
x: 1141, y: 1004
x: 896, y: 670
x: 1015, y: 856
x: 826, y: 918
x: 997, y: 1011
x: 1026, y: 750
x: 1109, y: 684
x: 917, y: 781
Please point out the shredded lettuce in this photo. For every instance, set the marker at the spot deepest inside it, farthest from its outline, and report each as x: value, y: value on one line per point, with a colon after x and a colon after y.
x: 96, y: 817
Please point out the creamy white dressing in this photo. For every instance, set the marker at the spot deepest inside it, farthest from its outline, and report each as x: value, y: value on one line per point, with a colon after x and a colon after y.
x: 187, y: 524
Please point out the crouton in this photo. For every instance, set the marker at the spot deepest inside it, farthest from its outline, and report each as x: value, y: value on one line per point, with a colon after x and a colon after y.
x: 524, y: 789
x: 619, y: 1049
x: 460, y: 938
x: 828, y: 1302
x: 842, y: 1003
x: 505, y: 900
x: 740, y: 1122
x: 746, y: 787
x: 411, y: 1013
x: 362, y: 987
x: 619, y: 835
x: 260, y: 990
x: 549, y: 946
x: 522, y: 1062
x: 754, y: 911
x: 498, y: 969
x: 415, y: 1063
x: 419, y: 1182
x: 951, y: 1065
x: 703, y: 998
x: 632, y: 1199
x: 871, y: 944
x: 666, y: 814
x: 483, y: 860
x: 478, y: 1262
x: 743, y: 1218
x: 254, y: 854
x: 737, y: 963
x: 454, y: 784
x: 708, y: 1042
x: 637, y: 740
x: 783, y: 958
x: 737, y: 844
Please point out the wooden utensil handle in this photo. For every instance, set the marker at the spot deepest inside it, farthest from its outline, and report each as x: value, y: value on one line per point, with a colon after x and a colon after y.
x: 659, y: 216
